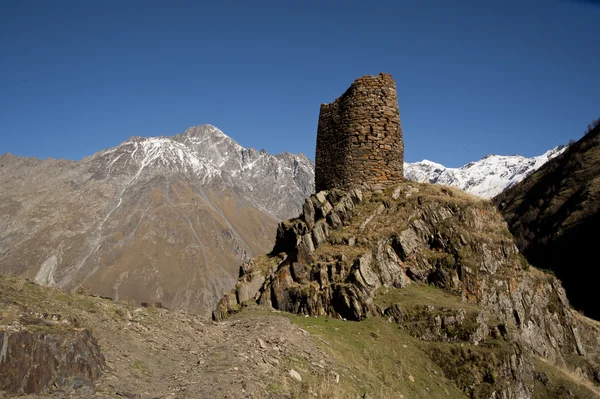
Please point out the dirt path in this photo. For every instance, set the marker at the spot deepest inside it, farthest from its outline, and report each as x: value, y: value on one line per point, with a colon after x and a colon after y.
x: 156, y: 353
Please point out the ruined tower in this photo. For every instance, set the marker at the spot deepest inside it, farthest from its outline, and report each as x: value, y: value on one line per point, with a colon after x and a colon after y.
x: 359, y: 138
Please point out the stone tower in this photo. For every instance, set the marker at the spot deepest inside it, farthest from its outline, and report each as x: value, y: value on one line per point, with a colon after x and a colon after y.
x: 359, y: 138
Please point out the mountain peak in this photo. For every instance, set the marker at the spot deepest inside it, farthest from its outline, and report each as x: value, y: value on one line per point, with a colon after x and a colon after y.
x: 204, y: 130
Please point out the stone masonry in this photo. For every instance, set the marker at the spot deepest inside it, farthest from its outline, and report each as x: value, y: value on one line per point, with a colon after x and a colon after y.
x: 359, y: 137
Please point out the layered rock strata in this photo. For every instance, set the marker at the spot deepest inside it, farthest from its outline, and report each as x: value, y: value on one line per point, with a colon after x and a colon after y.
x: 33, y: 362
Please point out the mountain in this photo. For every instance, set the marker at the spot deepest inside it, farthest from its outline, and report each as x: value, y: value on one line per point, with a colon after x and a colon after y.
x: 487, y: 177
x: 554, y: 215
x: 165, y: 219
x: 447, y: 309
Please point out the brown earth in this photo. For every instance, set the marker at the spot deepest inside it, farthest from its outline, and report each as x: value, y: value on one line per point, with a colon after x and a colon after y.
x: 154, y: 220
x: 260, y: 353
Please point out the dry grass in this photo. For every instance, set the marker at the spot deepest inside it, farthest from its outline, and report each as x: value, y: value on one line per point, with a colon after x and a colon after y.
x: 412, y: 200
x: 332, y: 251
x: 266, y: 262
x: 562, y: 380
x: 586, y: 320
x: 32, y: 307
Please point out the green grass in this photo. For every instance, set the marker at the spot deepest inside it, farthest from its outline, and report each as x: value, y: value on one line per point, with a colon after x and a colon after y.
x: 274, y: 388
x: 473, y: 367
x: 266, y: 262
x: 376, y: 357
x: 418, y: 294
x: 382, y: 360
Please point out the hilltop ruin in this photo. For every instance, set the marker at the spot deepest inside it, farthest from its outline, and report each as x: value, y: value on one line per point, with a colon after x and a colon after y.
x: 359, y: 137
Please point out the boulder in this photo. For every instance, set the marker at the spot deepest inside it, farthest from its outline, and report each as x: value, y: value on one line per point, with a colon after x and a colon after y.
x: 36, y: 362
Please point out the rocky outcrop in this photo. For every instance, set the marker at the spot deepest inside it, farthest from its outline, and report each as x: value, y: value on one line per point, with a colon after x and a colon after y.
x: 554, y: 214
x: 33, y: 362
x: 483, y: 373
x: 441, y: 324
x: 347, y: 248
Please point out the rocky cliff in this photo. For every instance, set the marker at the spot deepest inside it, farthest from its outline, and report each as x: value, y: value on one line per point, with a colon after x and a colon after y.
x: 554, y: 216
x: 165, y: 219
x: 35, y: 362
x: 354, y: 255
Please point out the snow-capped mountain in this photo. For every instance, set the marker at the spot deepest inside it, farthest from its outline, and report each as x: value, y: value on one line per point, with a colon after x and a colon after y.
x: 486, y: 178
x: 162, y: 219
x: 277, y: 184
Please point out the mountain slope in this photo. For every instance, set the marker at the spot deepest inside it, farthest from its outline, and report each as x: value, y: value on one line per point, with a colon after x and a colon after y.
x: 487, y: 177
x: 164, y: 219
x: 554, y: 216
x: 155, y: 353
x: 441, y: 265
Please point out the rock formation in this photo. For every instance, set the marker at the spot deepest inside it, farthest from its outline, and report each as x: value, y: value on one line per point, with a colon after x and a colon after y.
x: 34, y: 362
x: 359, y: 137
x: 554, y: 216
x: 350, y: 250
x: 355, y: 252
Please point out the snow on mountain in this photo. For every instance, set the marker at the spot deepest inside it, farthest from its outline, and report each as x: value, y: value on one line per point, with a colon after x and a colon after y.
x: 158, y: 219
x: 486, y: 178
x: 277, y: 184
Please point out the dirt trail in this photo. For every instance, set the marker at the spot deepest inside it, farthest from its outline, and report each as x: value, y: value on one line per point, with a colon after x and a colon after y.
x: 157, y: 353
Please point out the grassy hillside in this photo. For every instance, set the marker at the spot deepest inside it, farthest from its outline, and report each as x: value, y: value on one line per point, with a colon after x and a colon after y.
x: 161, y: 353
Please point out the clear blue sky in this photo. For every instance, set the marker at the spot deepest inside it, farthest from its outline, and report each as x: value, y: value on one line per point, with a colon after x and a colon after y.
x: 474, y: 77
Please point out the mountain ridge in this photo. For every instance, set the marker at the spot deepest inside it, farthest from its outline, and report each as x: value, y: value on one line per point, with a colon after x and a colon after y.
x: 486, y: 177
x: 125, y: 218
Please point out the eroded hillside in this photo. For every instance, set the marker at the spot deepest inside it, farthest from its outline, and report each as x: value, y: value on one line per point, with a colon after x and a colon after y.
x: 164, y: 219
x: 356, y: 255
x: 157, y: 353
x: 554, y: 216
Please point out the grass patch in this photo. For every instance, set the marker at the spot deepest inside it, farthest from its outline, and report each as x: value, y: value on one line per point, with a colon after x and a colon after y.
x: 46, y: 309
x: 266, y: 262
x: 518, y: 257
x: 372, y: 357
x: 380, y: 359
x: 554, y: 382
x: 274, y: 388
x: 333, y: 252
x: 419, y: 294
x: 473, y: 368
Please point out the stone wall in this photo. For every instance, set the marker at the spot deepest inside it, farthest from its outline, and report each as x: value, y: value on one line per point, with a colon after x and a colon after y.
x: 359, y: 137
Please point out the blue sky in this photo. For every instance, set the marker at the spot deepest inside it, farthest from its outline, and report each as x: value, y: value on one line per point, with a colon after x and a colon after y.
x: 473, y: 77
